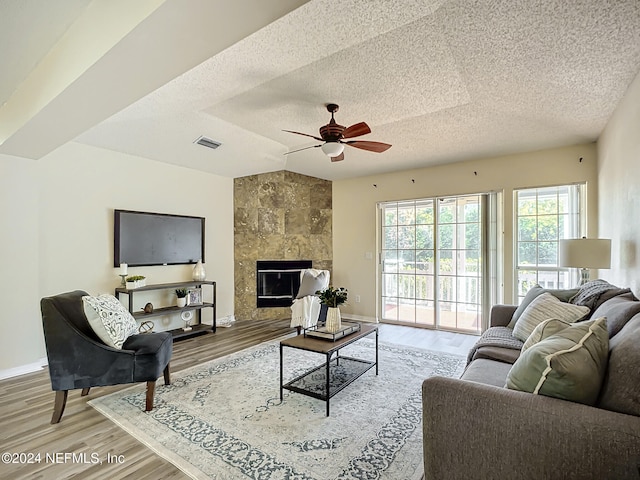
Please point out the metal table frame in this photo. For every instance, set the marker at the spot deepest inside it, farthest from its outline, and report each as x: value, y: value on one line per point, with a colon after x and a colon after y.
x: 326, y: 348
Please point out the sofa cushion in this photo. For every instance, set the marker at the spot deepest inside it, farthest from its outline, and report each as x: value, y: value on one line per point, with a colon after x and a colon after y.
x: 542, y: 308
x: 618, y: 310
x: 536, y: 291
x: 486, y: 371
x: 621, y: 386
x: 569, y: 364
x: 111, y: 322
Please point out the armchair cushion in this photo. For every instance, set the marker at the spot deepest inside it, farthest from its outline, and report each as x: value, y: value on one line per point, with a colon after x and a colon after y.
x: 108, y: 318
x: 569, y: 364
x: 151, y: 352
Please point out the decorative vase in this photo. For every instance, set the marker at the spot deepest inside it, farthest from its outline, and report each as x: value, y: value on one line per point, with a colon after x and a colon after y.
x: 334, y: 321
x: 182, y: 302
x: 199, y: 273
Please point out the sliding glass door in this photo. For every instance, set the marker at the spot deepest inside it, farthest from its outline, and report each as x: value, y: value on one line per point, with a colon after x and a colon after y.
x: 432, y: 262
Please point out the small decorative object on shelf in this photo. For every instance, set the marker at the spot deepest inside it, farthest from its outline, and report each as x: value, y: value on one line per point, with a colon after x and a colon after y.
x: 148, y: 308
x: 123, y: 274
x: 181, y: 293
x: 333, y: 298
x: 146, y: 327
x: 199, y: 273
x: 186, y: 316
x: 195, y: 297
x: 136, y: 281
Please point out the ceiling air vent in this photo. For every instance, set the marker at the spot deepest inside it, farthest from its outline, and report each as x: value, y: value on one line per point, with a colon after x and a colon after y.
x: 207, y: 142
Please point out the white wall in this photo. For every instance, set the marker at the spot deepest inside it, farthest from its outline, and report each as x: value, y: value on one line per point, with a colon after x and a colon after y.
x: 619, y: 184
x: 68, y: 198
x: 354, y: 207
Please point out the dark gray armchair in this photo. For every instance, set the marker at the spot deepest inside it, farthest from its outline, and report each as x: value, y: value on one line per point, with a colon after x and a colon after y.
x: 79, y: 359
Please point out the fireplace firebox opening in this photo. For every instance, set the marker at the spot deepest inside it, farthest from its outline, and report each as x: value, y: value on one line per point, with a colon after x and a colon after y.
x: 278, y: 281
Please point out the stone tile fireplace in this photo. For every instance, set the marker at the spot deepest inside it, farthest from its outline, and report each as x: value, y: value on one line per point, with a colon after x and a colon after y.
x: 278, y: 216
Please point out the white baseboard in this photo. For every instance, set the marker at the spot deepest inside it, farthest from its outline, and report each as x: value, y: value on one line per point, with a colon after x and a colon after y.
x: 358, y: 318
x: 23, y: 369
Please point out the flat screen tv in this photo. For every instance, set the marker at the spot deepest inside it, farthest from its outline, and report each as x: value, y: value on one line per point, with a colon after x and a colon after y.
x: 144, y: 238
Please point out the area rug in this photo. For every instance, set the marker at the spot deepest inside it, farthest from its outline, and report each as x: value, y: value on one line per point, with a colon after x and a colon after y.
x: 224, y: 419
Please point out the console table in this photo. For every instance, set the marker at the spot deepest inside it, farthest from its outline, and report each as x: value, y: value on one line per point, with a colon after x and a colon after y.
x: 197, y: 329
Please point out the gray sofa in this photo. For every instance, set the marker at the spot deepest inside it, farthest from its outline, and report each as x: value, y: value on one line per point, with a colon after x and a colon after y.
x: 475, y: 428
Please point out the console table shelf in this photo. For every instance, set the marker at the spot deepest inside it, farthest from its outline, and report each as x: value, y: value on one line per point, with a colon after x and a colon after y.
x: 197, y: 329
x: 169, y: 310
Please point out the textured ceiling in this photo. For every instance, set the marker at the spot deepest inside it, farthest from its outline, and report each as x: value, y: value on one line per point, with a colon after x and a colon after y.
x: 442, y: 81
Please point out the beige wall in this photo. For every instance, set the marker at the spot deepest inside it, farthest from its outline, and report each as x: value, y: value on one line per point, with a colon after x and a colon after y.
x: 355, y: 215
x: 21, y: 341
x: 619, y: 184
x: 60, y: 212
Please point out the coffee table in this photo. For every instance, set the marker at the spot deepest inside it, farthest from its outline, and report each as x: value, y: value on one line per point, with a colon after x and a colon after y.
x: 317, y: 382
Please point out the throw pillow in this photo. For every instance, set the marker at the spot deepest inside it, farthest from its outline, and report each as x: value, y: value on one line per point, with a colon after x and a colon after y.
x: 542, y: 308
x: 618, y: 310
x: 570, y: 364
x: 533, y: 293
x: 112, y: 322
x: 545, y: 329
x: 620, y: 392
x: 595, y: 292
x: 312, y: 281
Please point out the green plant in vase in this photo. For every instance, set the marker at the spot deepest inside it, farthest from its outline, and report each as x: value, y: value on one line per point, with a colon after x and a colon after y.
x: 182, y: 293
x: 135, y: 281
x: 333, y: 298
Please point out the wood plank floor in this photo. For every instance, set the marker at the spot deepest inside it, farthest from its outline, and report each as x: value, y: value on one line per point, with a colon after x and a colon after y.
x: 26, y: 405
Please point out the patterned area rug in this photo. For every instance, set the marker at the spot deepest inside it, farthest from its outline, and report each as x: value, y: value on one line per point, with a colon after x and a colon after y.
x: 224, y: 419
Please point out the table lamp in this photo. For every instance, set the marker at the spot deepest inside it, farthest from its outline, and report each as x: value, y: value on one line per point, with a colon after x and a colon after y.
x: 585, y: 253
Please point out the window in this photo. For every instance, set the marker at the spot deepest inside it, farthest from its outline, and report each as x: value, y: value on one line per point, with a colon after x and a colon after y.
x: 433, y: 256
x: 543, y: 217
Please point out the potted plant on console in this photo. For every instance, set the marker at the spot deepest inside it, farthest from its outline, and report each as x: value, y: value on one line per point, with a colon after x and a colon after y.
x: 181, y: 293
x: 333, y: 298
x: 135, y: 281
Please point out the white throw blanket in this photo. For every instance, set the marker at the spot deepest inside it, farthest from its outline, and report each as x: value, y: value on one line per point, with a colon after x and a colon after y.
x: 305, y: 310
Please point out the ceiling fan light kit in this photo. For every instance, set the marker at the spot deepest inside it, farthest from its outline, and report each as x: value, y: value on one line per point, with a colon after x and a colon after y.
x: 332, y: 149
x: 334, y: 135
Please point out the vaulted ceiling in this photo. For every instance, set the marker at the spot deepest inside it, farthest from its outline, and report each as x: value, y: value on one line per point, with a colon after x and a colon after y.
x: 442, y: 81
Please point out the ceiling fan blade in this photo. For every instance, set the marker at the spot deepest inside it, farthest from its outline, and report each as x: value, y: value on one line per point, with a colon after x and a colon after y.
x: 305, y: 134
x: 300, y: 149
x: 338, y: 158
x: 356, y: 130
x: 377, y: 147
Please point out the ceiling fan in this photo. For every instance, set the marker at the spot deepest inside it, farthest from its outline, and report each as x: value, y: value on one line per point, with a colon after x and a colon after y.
x: 334, y: 135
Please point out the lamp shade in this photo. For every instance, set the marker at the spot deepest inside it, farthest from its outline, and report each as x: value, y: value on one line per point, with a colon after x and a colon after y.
x: 585, y: 253
x: 332, y: 149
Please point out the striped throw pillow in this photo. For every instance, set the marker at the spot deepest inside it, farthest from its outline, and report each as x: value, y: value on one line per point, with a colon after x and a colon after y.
x: 544, y: 307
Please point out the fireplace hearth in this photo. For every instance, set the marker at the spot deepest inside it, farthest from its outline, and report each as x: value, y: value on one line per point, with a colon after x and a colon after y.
x: 278, y: 281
